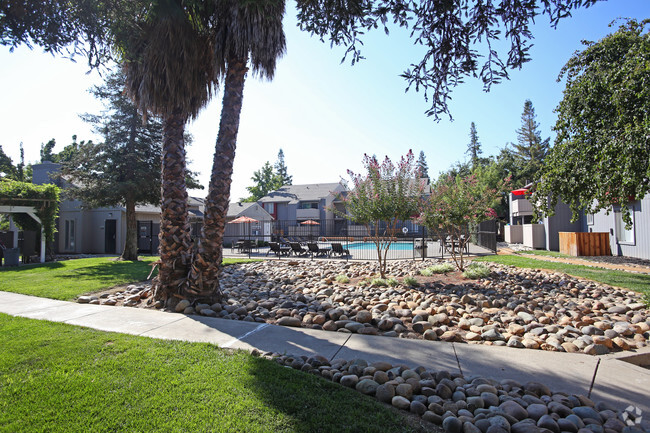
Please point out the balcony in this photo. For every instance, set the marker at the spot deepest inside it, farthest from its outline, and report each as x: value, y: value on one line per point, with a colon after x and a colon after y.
x: 521, y: 207
x: 307, y: 214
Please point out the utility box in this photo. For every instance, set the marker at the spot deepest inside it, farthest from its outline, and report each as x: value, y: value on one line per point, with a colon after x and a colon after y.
x: 12, y: 256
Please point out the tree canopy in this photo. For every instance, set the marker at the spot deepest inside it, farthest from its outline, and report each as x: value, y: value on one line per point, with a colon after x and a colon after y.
x: 602, y: 150
x: 460, y: 38
x: 530, y: 149
x: 44, y: 198
x: 269, y: 178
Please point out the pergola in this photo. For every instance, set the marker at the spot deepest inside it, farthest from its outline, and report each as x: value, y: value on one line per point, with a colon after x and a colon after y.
x: 31, y: 211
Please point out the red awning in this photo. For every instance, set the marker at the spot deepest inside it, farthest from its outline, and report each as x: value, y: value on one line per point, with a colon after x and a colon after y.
x: 520, y: 191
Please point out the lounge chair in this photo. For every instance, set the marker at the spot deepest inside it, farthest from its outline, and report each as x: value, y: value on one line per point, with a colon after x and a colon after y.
x: 317, y: 251
x: 337, y: 248
x: 297, y: 249
x: 278, y: 250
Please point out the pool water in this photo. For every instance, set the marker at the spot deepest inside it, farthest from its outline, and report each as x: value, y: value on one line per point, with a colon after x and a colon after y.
x: 395, y: 246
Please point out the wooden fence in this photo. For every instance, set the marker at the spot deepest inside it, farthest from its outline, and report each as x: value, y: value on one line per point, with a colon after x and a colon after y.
x: 585, y: 244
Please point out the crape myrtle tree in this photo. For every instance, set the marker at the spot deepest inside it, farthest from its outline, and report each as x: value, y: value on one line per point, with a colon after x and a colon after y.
x: 456, y: 204
x: 122, y: 170
x: 383, y: 197
x: 602, y: 149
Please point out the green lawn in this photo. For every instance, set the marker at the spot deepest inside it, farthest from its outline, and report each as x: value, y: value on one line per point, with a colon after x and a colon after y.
x: 68, y: 279
x: 61, y: 378
x: 637, y: 282
x: 545, y: 253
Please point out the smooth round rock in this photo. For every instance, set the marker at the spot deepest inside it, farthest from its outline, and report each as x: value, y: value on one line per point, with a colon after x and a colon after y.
x: 367, y: 386
x: 349, y: 380
x: 452, y: 425
x: 417, y: 408
x: 385, y: 393
x: 514, y: 409
x: 401, y: 402
x: 547, y: 422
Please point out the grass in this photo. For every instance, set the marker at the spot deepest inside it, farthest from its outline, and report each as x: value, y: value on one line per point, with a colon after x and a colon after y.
x: 628, y: 280
x: 410, y: 281
x: 441, y: 268
x: 66, y: 280
x: 61, y: 378
x: 343, y: 279
x: 545, y: 253
x: 474, y: 271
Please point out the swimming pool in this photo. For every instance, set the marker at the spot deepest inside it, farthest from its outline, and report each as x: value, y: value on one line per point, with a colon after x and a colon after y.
x: 395, y: 246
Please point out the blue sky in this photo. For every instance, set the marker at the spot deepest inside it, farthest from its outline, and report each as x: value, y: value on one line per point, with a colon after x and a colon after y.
x: 324, y: 115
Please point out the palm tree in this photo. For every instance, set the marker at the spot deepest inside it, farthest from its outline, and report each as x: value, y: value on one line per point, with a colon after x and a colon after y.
x: 245, y: 29
x: 168, y: 60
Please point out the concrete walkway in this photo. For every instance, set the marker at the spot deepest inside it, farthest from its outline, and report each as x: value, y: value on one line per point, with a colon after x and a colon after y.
x: 617, y: 382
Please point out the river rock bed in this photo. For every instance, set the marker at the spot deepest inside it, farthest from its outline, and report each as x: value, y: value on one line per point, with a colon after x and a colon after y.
x: 519, y: 308
x: 470, y: 404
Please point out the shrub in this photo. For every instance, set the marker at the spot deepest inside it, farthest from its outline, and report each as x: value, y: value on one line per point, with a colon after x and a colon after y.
x: 392, y: 282
x: 410, y: 281
x: 378, y: 282
x: 441, y: 268
x: 476, y: 270
x: 342, y: 279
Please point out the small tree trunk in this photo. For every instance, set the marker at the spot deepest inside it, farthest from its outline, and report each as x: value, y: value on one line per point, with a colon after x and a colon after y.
x: 131, y: 246
x: 175, y: 241
x: 204, y: 275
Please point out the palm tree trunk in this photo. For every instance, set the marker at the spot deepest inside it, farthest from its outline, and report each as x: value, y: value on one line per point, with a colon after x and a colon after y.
x: 204, y: 276
x: 175, y: 241
x: 131, y: 245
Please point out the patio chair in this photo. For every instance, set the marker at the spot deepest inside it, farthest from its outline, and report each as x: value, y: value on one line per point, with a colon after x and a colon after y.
x: 297, y: 249
x: 317, y: 251
x: 337, y: 248
x: 278, y: 250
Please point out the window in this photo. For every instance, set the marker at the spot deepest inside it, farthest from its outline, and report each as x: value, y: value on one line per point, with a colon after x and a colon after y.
x: 69, y: 234
x: 590, y: 219
x: 270, y: 207
x: 309, y: 205
x: 624, y: 235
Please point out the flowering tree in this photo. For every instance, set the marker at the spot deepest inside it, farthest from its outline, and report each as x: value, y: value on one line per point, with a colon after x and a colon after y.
x: 455, y: 204
x: 381, y: 198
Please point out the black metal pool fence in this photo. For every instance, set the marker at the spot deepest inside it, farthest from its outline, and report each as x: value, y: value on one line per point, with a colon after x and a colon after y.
x: 329, y: 237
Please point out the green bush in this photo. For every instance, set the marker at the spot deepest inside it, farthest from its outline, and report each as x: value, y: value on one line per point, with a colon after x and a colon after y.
x: 476, y: 270
x: 441, y: 268
x: 378, y: 282
x: 392, y: 282
x: 410, y: 281
x: 343, y: 279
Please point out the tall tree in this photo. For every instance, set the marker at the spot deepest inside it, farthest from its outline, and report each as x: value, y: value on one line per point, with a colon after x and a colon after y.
x: 530, y: 149
x: 422, y: 166
x: 602, y: 149
x: 170, y: 72
x: 123, y: 170
x: 474, y: 146
x: 7, y: 168
x: 245, y: 31
x: 47, y: 151
x: 281, y: 170
x: 265, y: 181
